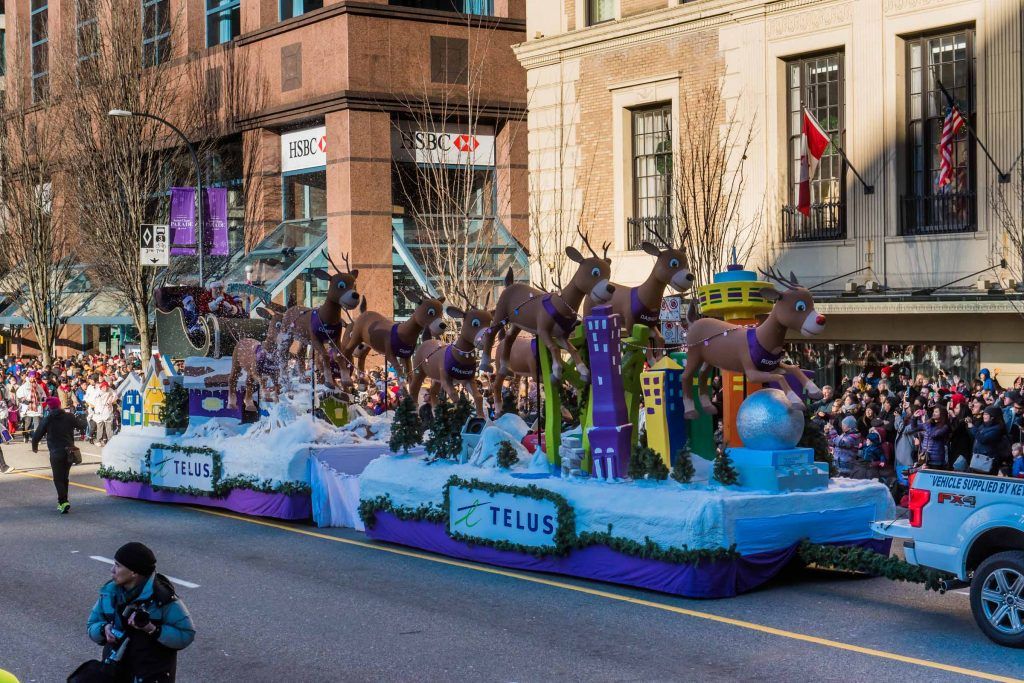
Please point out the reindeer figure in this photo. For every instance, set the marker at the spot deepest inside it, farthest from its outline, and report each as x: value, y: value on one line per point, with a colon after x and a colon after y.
x: 641, y: 305
x: 522, y: 365
x: 321, y: 327
x: 552, y: 317
x: 395, y: 341
x: 446, y: 365
x: 261, y: 367
x: 754, y: 351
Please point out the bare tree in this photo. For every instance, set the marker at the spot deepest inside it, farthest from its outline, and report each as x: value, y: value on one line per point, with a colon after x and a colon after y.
x: 36, y: 250
x: 708, y: 184
x: 449, y: 196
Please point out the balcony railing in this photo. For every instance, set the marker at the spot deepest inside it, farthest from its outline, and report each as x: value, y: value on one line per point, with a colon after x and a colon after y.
x: 938, y: 214
x: 826, y: 222
x: 639, y: 230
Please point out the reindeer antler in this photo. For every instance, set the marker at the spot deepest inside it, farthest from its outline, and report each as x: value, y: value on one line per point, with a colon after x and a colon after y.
x: 586, y: 241
x: 657, y: 234
x: 605, y: 248
x: 788, y: 283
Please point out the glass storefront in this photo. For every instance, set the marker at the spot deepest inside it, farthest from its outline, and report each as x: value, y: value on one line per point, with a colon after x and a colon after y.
x: 831, y: 363
x: 304, y: 194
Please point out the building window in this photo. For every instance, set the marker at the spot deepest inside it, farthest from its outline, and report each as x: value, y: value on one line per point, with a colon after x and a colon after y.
x: 40, y: 47
x: 449, y: 60
x: 222, y: 21
x: 600, y: 11
x: 652, y: 175
x: 86, y: 31
x: 296, y: 8
x: 927, y: 207
x: 156, y: 32
x: 481, y: 7
x: 817, y: 84
x: 305, y: 194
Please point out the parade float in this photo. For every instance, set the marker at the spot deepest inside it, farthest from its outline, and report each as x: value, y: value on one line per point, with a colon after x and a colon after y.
x: 639, y: 493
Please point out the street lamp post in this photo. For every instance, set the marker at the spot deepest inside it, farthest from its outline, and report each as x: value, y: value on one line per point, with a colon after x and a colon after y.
x: 201, y: 236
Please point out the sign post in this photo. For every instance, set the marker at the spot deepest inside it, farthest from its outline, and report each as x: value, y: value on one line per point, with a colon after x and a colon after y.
x: 154, y: 247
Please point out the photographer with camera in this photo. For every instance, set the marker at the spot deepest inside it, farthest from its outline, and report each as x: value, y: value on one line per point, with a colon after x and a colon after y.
x: 139, y: 620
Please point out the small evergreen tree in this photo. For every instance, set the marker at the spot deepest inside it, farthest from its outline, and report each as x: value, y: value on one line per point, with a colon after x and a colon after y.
x: 637, y: 463
x: 507, y: 455
x: 683, y: 470
x: 654, y: 465
x: 445, y: 440
x: 464, y: 409
x: 407, y: 428
x: 174, y: 412
x: 725, y: 473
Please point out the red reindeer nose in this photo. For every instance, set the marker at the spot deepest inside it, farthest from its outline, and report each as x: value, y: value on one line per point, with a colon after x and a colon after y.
x: 820, y: 319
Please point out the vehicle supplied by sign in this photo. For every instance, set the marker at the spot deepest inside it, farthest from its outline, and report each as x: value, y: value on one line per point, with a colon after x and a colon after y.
x: 180, y: 469
x: 302, y: 149
x: 498, y: 516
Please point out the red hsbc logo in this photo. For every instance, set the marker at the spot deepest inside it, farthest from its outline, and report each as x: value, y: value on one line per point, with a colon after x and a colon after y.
x: 322, y: 145
x: 466, y: 143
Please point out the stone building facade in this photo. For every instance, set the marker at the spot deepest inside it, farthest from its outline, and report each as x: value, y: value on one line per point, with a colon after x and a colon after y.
x: 607, y: 80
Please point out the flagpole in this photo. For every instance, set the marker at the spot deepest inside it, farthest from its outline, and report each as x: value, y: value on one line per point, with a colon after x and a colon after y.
x: 1003, y: 177
x: 868, y: 189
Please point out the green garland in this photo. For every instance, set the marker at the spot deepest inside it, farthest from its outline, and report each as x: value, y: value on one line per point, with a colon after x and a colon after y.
x: 853, y: 558
x: 369, y: 507
x: 649, y: 550
x: 221, y: 486
x: 565, y: 536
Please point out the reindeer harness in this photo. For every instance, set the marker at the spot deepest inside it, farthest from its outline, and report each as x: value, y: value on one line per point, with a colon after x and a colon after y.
x: 323, y: 331
x: 764, y: 360
x: 648, y: 316
x: 457, y: 369
x: 399, y: 347
x: 567, y: 322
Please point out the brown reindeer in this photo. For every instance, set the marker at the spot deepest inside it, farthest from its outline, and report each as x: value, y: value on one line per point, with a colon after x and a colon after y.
x: 261, y: 364
x: 319, y: 328
x: 641, y: 305
x: 395, y: 341
x: 754, y: 351
x: 522, y: 364
x: 446, y: 365
x: 552, y: 317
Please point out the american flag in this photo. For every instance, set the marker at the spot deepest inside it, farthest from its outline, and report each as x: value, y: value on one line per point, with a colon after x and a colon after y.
x: 950, y: 127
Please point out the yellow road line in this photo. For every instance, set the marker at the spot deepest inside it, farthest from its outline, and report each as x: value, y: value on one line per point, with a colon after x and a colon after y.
x: 529, y: 578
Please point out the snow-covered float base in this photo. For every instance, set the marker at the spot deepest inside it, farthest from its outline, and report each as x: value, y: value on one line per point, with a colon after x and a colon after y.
x: 645, y: 534
x: 261, y: 469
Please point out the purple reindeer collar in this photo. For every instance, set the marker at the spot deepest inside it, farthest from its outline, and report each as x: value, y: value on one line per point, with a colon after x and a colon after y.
x: 566, y: 322
x: 399, y: 347
x: 457, y: 369
x: 648, y: 316
x: 323, y: 331
x: 764, y: 360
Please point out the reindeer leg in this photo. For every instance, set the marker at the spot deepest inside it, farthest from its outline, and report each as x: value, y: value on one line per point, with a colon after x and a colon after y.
x: 806, y: 382
x: 478, y: 397
x: 704, y: 391
x: 435, y: 389
x: 324, y: 361
x: 655, y: 345
x: 250, y: 383
x: 505, y: 348
x: 693, y: 362
x: 577, y: 359
x: 544, y: 337
x: 232, y: 384
x: 416, y: 384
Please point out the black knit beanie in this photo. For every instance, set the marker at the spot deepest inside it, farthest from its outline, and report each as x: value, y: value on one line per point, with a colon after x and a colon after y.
x: 136, y: 557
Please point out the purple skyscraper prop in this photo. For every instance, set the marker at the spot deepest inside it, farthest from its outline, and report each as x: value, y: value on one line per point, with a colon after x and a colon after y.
x: 610, y: 435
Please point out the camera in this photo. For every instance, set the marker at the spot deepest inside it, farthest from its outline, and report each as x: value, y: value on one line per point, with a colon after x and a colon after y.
x: 142, y: 618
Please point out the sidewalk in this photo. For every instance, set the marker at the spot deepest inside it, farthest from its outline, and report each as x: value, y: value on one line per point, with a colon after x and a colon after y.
x: 20, y: 456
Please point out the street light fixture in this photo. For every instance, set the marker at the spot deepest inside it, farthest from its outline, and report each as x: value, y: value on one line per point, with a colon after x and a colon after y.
x: 201, y: 237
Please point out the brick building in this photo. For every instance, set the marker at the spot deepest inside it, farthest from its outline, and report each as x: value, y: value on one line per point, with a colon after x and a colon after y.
x: 343, y: 77
x: 608, y: 78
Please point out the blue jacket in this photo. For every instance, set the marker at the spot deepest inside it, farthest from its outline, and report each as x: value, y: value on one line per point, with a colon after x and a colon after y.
x: 145, y: 655
x: 990, y: 439
x: 1018, y: 467
x: 933, y: 441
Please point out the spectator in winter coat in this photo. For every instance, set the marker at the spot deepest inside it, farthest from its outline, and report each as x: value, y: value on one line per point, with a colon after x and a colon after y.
x: 827, y: 396
x: 990, y: 440
x: 905, y: 451
x: 872, y: 457
x: 987, y: 384
x: 1017, y: 450
x: 960, y: 440
x: 934, y: 436
x: 846, y: 447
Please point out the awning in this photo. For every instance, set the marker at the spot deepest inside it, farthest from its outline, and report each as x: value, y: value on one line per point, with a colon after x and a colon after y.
x: 103, y: 308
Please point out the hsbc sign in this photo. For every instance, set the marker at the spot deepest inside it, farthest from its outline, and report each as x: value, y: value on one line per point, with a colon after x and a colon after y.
x: 427, y: 147
x: 302, y: 149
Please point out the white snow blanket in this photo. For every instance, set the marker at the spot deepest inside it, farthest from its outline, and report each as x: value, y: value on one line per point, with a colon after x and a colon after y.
x: 669, y: 513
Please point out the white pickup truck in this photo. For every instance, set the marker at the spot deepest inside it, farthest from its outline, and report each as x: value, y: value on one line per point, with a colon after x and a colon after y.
x: 972, y: 526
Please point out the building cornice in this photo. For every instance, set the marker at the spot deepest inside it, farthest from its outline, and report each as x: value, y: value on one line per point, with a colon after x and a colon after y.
x: 683, y: 18
x: 965, y: 307
x: 396, y: 12
x: 392, y: 103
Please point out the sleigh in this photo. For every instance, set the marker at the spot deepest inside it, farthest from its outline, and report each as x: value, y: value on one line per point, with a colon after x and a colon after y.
x: 209, y: 335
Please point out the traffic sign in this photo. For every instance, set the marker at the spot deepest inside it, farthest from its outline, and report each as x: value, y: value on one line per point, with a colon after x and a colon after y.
x: 154, y: 247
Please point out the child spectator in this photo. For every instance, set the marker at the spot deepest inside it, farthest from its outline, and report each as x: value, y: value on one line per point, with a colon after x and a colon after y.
x: 846, y: 447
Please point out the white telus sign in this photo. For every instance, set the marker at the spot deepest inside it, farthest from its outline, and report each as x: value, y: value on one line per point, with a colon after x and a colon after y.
x: 435, y: 147
x: 302, y: 149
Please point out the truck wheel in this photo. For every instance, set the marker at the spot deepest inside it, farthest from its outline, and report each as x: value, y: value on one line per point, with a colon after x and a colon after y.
x: 997, y: 598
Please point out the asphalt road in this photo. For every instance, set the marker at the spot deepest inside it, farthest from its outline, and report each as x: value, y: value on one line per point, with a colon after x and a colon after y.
x: 295, y: 603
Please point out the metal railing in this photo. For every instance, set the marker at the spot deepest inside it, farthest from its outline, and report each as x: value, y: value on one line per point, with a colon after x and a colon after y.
x: 826, y: 222
x: 639, y: 230
x: 938, y: 214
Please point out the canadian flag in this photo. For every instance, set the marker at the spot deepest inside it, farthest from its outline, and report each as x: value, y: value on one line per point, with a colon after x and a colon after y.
x: 815, y: 142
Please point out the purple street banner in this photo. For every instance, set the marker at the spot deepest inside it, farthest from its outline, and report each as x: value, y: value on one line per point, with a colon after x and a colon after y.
x: 215, y: 216
x: 183, y: 221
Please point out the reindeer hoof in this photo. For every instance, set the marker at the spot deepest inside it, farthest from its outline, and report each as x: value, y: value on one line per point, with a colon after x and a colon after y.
x: 250, y: 406
x: 584, y: 373
x: 710, y: 409
x: 690, y: 414
x: 814, y: 392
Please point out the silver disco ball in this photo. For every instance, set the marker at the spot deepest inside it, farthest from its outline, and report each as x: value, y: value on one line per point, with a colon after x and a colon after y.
x: 766, y: 421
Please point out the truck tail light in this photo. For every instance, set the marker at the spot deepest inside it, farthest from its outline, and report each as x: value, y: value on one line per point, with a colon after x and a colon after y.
x: 918, y: 499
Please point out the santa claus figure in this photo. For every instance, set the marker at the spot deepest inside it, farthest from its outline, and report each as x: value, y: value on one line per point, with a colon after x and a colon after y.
x: 218, y: 302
